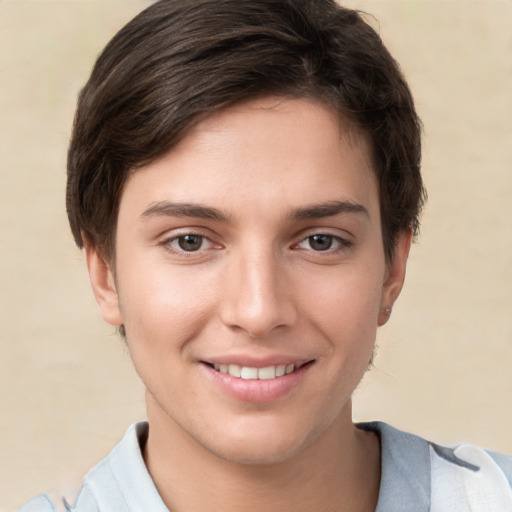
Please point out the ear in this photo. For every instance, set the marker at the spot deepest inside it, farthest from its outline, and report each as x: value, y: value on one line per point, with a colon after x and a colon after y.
x: 103, y: 286
x: 395, y: 275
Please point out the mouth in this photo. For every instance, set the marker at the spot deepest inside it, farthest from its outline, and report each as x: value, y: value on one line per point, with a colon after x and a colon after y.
x: 254, y: 373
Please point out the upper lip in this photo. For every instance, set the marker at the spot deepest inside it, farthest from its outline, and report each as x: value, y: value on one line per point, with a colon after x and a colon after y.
x: 257, y: 362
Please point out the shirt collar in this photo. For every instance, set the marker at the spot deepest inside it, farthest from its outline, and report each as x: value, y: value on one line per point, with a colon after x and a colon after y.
x: 405, y: 470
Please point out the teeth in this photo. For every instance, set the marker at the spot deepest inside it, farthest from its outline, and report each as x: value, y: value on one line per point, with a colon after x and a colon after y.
x: 235, y: 370
x: 267, y: 373
x: 249, y: 373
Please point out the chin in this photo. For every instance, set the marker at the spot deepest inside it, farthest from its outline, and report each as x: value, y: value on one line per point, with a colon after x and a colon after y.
x: 260, y: 446
x: 250, y: 453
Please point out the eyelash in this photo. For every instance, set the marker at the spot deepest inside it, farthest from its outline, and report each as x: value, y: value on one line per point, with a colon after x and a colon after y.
x: 171, y: 244
x: 341, y: 244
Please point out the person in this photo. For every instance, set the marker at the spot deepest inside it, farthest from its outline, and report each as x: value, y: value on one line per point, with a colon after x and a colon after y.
x: 244, y: 177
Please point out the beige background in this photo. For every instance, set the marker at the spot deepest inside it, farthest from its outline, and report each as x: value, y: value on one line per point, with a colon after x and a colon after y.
x: 67, y: 388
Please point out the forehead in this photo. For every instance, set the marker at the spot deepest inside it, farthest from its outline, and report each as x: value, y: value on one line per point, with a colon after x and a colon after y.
x: 291, y: 119
x: 272, y: 149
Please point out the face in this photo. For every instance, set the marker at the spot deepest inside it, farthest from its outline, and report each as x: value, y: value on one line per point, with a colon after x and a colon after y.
x: 250, y: 278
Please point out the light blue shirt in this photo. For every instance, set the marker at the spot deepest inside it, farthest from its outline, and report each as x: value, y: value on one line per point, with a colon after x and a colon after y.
x: 416, y: 476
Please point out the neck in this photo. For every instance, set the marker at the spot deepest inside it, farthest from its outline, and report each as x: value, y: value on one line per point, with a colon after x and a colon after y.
x: 338, y: 471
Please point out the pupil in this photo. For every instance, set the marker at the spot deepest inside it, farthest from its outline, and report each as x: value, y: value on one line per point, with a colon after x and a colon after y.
x: 190, y: 242
x: 320, y: 242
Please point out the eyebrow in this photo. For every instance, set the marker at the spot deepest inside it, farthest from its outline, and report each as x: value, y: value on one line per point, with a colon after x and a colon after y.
x: 328, y: 209
x: 167, y: 209
x: 315, y: 211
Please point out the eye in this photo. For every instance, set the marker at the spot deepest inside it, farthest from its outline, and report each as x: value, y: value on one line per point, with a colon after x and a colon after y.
x: 320, y: 242
x: 324, y: 242
x: 189, y: 242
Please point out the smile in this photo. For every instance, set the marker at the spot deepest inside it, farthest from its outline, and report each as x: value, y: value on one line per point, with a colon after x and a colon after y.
x: 251, y: 373
x: 263, y: 382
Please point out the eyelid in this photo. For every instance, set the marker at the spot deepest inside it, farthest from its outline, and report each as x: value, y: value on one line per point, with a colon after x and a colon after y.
x: 179, y: 231
x: 343, y: 241
x: 204, y: 242
x: 334, y: 232
x: 338, y: 239
x: 167, y: 241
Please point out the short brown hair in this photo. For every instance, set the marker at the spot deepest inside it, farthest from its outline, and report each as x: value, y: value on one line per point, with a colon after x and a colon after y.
x: 180, y: 60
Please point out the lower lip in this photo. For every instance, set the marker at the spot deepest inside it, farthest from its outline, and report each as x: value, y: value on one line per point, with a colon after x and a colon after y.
x: 256, y: 390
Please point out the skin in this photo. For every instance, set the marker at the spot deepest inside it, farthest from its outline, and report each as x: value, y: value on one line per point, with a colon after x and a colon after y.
x: 257, y: 286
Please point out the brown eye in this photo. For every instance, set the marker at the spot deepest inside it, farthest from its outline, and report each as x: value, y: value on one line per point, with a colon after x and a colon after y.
x: 320, y: 242
x: 190, y: 243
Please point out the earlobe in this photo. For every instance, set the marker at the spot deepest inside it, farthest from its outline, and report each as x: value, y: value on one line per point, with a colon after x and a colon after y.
x: 395, y: 275
x: 103, y: 285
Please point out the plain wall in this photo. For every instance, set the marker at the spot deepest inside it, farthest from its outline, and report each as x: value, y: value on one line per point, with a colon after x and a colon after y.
x: 68, y: 391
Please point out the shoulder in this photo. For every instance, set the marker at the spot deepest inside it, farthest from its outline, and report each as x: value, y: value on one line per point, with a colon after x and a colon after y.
x: 85, y: 502
x: 107, y: 485
x: 468, y: 476
x: 436, y: 478
x: 41, y: 503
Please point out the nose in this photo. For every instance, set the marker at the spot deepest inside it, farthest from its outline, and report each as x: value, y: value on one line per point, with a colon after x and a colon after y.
x: 258, y: 294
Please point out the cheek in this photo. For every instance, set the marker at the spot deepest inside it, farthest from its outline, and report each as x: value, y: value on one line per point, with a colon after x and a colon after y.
x: 345, y: 311
x: 163, y: 312
x: 347, y: 302
x: 164, y: 305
